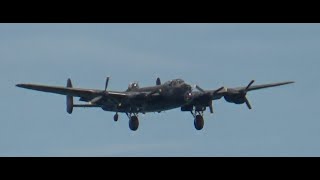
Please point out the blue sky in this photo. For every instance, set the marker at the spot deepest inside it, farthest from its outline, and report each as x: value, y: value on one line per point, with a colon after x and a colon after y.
x: 284, y: 120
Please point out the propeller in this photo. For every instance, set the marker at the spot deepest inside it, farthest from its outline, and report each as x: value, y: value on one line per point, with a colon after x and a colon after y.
x: 240, y: 95
x: 96, y: 99
x: 251, y: 82
x: 218, y: 90
x: 245, y: 93
x: 211, y: 94
x: 200, y: 89
x: 247, y: 103
x: 211, y: 104
x: 107, y: 82
x: 154, y: 92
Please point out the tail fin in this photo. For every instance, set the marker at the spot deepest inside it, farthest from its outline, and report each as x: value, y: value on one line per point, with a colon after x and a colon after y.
x: 69, y: 98
x: 158, y: 82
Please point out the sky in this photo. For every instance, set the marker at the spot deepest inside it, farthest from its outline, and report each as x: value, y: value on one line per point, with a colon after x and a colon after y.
x: 284, y: 120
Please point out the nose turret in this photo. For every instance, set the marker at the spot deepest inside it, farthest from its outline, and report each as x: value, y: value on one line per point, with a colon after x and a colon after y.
x: 187, y: 87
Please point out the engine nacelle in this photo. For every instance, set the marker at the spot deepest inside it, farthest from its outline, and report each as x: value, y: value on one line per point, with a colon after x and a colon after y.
x: 235, y: 99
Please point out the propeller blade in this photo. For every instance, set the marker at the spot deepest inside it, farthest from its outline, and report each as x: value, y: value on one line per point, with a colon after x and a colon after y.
x: 247, y: 102
x: 107, y: 81
x: 96, y: 99
x: 218, y: 90
x: 154, y: 92
x: 249, y: 85
x: 211, y: 107
x: 200, y: 89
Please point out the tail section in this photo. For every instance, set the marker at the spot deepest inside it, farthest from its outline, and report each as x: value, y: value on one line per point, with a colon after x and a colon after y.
x: 69, y: 98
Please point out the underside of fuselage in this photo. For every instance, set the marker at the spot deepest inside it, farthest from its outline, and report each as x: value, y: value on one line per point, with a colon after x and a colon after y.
x: 152, y: 105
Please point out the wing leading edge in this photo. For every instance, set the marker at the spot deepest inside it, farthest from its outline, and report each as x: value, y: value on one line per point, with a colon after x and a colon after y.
x: 262, y: 86
x: 77, y: 92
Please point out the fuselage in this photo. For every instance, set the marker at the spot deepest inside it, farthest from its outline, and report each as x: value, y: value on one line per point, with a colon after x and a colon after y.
x: 168, y: 96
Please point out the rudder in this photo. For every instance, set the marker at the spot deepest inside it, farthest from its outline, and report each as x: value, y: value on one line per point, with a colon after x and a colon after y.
x: 69, y: 98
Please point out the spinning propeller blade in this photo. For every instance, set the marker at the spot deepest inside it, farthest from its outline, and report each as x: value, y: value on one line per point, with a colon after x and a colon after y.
x: 107, y: 81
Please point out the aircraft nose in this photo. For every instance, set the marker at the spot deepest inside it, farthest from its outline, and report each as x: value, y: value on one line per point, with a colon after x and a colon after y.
x: 187, y: 86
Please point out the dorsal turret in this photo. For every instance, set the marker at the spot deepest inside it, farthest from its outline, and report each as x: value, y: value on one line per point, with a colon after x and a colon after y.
x: 133, y: 86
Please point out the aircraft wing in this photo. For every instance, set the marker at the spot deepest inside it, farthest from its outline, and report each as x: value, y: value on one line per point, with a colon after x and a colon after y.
x: 69, y: 91
x: 235, y: 95
x: 95, y: 97
x: 262, y: 86
x: 217, y: 94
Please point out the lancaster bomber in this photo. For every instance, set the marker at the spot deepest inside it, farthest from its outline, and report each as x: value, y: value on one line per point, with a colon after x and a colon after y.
x: 172, y: 94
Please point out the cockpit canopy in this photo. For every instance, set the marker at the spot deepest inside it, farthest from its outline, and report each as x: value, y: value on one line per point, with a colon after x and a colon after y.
x: 174, y: 82
x: 133, y: 86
